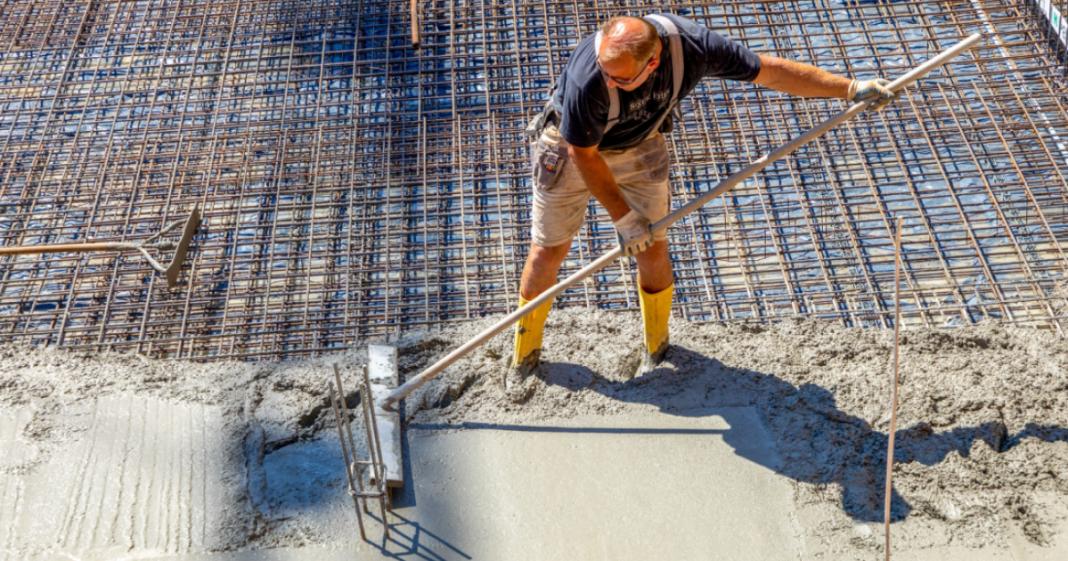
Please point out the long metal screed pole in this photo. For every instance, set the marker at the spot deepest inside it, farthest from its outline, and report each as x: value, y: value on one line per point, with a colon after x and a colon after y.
x: 663, y: 224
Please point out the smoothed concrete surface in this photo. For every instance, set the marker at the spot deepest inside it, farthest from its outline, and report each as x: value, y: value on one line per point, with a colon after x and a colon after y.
x: 636, y: 487
x: 141, y: 480
x: 648, y: 486
x: 151, y: 479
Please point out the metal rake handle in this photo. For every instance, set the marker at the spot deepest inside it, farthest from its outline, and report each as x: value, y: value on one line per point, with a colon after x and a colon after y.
x: 189, y: 227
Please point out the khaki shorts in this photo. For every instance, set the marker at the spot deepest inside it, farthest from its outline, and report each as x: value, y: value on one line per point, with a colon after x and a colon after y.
x: 560, y: 207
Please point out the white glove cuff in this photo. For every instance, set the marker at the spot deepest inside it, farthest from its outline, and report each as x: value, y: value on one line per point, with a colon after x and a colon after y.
x: 852, y: 91
x: 629, y: 218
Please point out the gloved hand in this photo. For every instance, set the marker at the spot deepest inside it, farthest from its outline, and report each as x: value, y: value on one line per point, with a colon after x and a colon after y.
x: 863, y: 89
x: 633, y: 233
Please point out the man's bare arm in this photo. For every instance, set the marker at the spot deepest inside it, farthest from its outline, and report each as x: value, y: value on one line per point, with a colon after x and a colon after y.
x: 599, y: 180
x: 800, y: 79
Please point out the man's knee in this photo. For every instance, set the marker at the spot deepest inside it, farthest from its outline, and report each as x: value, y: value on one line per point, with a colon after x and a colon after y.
x: 548, y: 255
x: 654, y: 267
x: 542, y: 266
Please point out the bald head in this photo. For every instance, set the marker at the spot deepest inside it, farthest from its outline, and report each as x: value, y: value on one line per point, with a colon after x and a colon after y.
x: 625, y: 37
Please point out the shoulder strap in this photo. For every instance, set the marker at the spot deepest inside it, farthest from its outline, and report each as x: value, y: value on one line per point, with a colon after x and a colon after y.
x: 677, y: 62
x: 613, y: 93
x: 677, y: 69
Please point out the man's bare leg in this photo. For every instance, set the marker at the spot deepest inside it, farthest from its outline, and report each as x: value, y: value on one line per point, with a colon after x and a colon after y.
x: 656, y: 290
x: 539, y: 274
x: 654, y: 268
x: 541, y: 269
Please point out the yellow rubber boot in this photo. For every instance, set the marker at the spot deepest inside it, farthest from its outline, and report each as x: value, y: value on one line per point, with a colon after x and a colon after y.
x: 528, y: 334
x: 656, y: 309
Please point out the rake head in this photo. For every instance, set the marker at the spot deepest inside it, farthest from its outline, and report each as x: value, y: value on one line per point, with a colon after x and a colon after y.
x: 175, y: 267
x: 189, y: 227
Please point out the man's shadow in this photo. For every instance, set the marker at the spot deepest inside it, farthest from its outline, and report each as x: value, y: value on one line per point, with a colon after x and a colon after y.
x: 816, y: 442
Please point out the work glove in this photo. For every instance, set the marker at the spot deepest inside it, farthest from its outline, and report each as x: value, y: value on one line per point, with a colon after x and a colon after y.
x: 633, y: 233
x: 863, y: 89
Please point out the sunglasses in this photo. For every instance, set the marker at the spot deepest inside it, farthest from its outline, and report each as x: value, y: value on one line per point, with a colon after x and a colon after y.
x: 621, y: 81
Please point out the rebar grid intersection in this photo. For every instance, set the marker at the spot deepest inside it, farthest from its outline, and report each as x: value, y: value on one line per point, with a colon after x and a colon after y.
x: 353, y: 186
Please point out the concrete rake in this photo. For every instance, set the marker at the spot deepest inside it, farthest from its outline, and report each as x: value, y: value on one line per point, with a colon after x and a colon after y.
x: 189, y: 227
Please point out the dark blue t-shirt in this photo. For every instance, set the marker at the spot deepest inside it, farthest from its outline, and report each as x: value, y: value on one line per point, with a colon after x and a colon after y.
x: 581, y: 96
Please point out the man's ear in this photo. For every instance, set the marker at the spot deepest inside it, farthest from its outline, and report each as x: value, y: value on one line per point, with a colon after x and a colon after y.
x: 654, y: 63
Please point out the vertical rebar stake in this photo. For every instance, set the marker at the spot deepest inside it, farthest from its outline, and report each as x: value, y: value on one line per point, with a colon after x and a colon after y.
x: 355, y: 465
x: 893, y: 398
x: 414, y: 11
x: 378, y: 489
x: 375, y: 444
x: 350, y: 466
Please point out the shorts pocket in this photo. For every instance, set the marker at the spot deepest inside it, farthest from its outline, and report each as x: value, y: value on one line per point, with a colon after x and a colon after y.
x: 655, y: 159
x: 548, y: 162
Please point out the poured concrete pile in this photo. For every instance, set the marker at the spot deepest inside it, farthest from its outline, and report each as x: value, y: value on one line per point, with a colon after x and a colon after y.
x: 97, y: 452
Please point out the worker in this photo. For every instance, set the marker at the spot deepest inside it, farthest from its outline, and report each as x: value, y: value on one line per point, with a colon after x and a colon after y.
x: 601, y: 135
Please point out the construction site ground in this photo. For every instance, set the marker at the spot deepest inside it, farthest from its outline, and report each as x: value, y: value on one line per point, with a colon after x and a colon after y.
x: 750, y: 442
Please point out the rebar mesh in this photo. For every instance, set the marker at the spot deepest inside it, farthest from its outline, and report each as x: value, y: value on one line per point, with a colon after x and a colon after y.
x: 353, y: 186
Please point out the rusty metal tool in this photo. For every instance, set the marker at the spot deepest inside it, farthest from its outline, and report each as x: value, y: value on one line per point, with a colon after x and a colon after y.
x: 189, y: 227
x: 414, y: 10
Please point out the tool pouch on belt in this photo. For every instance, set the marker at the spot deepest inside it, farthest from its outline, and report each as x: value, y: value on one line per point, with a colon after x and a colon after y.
x: 549, y: 161
x: 667, y: 125
x: 538, y: 123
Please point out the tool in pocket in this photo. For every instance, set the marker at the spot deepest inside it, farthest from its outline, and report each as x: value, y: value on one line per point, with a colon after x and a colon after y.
x: 549, y: 161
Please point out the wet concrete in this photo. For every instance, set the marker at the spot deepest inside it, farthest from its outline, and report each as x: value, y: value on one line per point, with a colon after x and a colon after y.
x: 644, y: 486
x: 139, y: 481
x: 125, y: 474
x: 106, y: 456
